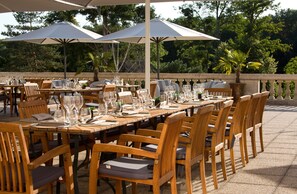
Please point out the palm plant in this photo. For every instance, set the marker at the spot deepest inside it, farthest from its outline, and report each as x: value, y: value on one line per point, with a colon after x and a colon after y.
x: 234, y: 61
x: 98, y: 62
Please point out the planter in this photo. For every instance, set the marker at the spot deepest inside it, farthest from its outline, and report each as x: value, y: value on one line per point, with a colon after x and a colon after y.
x: 237, y: 90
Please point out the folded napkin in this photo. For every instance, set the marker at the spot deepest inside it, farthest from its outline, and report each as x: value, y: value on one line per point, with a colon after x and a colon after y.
x: 50, y: 123
x: 42, y: 116
x: 129, y: 112
x: 105, y: 122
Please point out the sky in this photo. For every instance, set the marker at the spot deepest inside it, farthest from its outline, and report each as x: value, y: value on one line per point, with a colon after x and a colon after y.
x: 170, y: 7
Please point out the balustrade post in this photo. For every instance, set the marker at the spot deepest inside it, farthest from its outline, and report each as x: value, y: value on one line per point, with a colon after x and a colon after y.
x: 295, y: 90
x: 271, y: 90
x: 280, y: 91
x: 288, y: 91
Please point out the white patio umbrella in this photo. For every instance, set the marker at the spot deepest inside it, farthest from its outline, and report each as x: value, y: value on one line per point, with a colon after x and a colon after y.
x: 60, y: 33
x: 160, y: 30
x: 147, y: 22
x: 36, y: 5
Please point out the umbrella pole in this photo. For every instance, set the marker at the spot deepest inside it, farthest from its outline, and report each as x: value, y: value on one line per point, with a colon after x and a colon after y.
x: 147, y: 45
x: 158, y: 61
x: 65, y: 60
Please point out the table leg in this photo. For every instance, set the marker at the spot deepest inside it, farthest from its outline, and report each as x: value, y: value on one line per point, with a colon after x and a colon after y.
x: 65, y: 140
x: 15, y: 102
x: 75, y: 163
x: 11, y: 101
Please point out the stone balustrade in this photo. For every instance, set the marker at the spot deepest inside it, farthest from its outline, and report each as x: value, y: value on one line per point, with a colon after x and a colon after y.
x: 281, y: 86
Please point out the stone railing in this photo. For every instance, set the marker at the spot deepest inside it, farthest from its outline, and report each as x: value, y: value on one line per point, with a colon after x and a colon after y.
x: 281, y: 86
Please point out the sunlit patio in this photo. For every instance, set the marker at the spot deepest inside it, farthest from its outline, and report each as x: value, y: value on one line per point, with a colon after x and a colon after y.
x: 273, y: 171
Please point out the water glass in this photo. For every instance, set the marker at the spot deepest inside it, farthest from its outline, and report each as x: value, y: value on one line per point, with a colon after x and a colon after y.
x: 102, y: 109
x: 85, y: 114
x: 59, y: 115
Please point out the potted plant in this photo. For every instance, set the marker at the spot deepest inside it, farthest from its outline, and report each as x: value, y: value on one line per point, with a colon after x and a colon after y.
x: 98, y: 62
x: 235, y: 61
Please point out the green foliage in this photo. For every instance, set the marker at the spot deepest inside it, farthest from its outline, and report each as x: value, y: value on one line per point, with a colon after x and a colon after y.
x: 291, y: 67
x: 234, y: 61
x: 99, y: 62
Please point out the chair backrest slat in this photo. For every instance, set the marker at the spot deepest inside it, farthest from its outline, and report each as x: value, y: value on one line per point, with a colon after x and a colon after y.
x: 221, y: 121
x: 13, y: 159
x: 240, y: 114
x: 252, y: 110
x: 31, y: 91
x: 261, y: 107
x: 27, y: 109
x: 225, y: 92
x: 199, y: 130
x: 168, y: 142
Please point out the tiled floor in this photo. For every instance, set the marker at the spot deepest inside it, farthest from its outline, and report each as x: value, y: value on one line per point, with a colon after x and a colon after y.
x: 272, y: 172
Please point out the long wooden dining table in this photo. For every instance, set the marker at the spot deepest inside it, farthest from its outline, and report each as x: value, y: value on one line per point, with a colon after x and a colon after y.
x: 117, y: 121
x: 58, y: 91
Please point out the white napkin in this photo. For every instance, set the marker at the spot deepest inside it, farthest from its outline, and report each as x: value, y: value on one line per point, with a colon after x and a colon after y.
x: 42, y: 116
x: 105, y: 122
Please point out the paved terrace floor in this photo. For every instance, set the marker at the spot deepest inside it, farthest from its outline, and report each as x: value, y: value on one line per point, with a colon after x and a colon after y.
x: 273, y: 171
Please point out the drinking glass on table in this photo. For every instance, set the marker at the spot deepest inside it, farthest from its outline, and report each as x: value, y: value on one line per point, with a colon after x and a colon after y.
x: 59, y: 115
x: 78, y: 101
x: 102, y: 109
x: 85, y: 114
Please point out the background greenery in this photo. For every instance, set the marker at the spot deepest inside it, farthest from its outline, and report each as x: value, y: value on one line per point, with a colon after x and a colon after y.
x: 244, y: 26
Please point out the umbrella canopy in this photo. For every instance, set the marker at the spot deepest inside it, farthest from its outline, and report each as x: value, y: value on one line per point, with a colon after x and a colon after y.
x: 116, y: 2
x: 160, y: 31
x: 35, y: 5
x: 60, y: 33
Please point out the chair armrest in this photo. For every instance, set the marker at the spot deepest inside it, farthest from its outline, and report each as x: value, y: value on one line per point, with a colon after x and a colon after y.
x: 184, y: 140
x: 159, y: 126
x: 62, y: 149
x: 124, y: 138
x: 211, y: 130
x: 120, y: 149
x: 148, y: 132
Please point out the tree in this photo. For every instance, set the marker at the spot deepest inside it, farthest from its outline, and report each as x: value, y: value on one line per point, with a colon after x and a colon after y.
x: 257, y: 29
x: 23, y: 56
x: 291, y: 67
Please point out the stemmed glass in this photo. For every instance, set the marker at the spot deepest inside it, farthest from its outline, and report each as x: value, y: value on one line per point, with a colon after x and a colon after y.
x: 68, y: 103
x: 78, y: 101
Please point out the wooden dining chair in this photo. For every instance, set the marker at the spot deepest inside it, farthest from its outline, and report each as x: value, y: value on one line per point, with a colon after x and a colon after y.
x: 191, y: 148
x: 151, y: 168
x: 26, y: 110
x: 31, y: 92
x: 4, y: 96
x: 224, y: 92
x: 191, y: 143
x: 236, y: 128
x: 153, y: 87
x: 20, y: 175
x: 259, y: 117
x: 98, y: 96
x: 126, y: 97
x: 250, y: 125
x: 215, y: 141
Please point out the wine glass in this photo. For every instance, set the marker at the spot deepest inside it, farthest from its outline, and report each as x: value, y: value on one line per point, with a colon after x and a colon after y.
x: 102, y: 109
x: 59, y: 115
x: 84, y: 115
x: 78, y: 101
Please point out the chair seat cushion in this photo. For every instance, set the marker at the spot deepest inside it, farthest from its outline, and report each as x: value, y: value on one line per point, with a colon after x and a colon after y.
x: 208, y: 141
x: 227, y: 132
x: 180, y: 151
x: 126, y: 167
x: 46, y: 174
